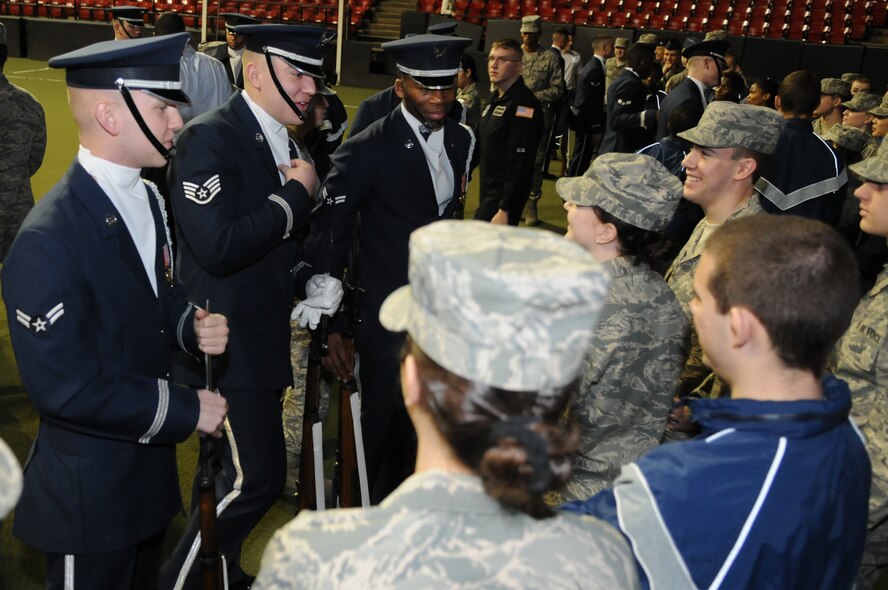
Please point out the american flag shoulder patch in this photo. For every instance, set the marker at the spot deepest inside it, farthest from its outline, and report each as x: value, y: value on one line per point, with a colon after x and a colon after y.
x: 526, y: 112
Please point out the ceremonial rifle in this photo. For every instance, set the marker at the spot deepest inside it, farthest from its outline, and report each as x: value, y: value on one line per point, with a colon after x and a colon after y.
x: 211, y: 561
x: 350, y: 476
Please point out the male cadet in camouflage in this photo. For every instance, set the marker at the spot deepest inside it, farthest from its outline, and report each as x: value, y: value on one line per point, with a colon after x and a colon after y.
x: 730, y: 145
x: 861, y: 359
x: 773, y: 493
x: 22, y: 144
x: 833, y: 93
x: 543, y: 75
x: 615, y: 64
x: 622, y: 204
x: 857, y: 115
x: 486, y: 395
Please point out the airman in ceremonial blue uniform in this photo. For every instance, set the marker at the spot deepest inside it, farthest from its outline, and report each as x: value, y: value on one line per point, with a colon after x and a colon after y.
x: 240, y: 198
x: 401, y: 173
x: 94, y: 313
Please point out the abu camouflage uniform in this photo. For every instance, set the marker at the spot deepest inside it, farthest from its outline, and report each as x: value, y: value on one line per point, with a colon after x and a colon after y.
x: 612, y: 69
x: 441, y: 530
x: 22, y: 145
x: 680, y: 278
x: 630, y: 376
x: 724, y: 124
x: 861, y: 359
x: 632, y: 366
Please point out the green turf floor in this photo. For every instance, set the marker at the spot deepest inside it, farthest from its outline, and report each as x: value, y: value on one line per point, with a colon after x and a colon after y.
x: 20, y: 567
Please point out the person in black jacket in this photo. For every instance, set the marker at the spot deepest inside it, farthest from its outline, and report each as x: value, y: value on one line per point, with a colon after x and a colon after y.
x: 509, y: 131
x: 588, y: 107
x: 629, y: 125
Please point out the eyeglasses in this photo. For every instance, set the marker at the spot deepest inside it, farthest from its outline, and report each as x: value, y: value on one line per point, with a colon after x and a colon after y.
x: 500, y: 60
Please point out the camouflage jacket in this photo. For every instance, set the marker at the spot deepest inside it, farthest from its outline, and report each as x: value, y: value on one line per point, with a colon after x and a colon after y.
x: 630, y: 376
x: 819, y: 128
x: 861, y: 359
x: 441, y: 530
x: 22, y: 144
x: 612, y: 69
x: 543, y: 75
x: 680, y: 277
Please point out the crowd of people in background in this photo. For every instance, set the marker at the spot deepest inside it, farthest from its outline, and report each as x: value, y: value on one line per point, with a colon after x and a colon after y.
x: 687, y: 390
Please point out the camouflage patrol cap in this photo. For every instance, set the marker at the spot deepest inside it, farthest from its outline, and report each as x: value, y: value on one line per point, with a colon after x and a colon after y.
x: 849, y: 138
x: 727, y: 124
x: 716, y: 35
x: 647, y: 39
x: 634, y: 188
x: 881, y: 110
x: 863, y: 101
x: 503, y: 306
x: 850, y: 76
x: 531, y: 24
x: 621, y: 42
x: 836, y: 87
x: 875, y: 168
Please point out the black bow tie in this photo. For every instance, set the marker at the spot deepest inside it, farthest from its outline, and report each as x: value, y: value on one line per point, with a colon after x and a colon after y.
x: 424, y: 131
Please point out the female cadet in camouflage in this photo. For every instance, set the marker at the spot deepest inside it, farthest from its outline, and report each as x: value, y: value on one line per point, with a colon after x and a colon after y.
x: 861, y: 359
x: 486, y: 395
x: 616, y: 211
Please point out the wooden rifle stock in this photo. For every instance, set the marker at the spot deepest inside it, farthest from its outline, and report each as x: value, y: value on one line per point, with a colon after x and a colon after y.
x: 307, y: 489
x: 210, y: 559
x: 347, y: 480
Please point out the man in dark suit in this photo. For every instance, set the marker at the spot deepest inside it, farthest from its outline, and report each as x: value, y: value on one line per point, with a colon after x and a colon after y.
x: 509, y: 131
x: 95, y: 311
x: 239, y: 201
x: 629, y: 126
x: 404, y: 171
x: 377, y: 106
x: 588, y: 107
x: 706, y: 61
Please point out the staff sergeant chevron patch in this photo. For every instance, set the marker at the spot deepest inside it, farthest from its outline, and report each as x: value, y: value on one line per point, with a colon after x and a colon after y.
x: 203, y: 193
x: 40, y: 325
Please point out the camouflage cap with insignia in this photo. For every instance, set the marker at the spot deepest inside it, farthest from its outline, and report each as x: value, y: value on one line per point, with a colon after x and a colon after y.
x: 647, y: 39
x: 875, y: 168
x: 634, y: 188
x: 850, y: 76
x: 881, y: 110
x: 727, y: 124
x: 716, y: 35
x: 836, y: 87
x: 621, y: 42
x: 506, y: 307
x: 849, y: 138
x: 863, y: 101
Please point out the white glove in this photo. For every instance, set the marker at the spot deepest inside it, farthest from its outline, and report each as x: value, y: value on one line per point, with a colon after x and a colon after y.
x: 323, y: 295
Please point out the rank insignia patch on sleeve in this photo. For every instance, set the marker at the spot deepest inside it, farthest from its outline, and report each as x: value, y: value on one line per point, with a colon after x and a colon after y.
x: 40, y: 325
x: 203, y: 193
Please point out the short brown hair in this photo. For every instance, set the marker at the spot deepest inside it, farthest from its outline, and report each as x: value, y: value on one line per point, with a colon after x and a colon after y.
x: 797, y: 275
x: 510, y: 44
